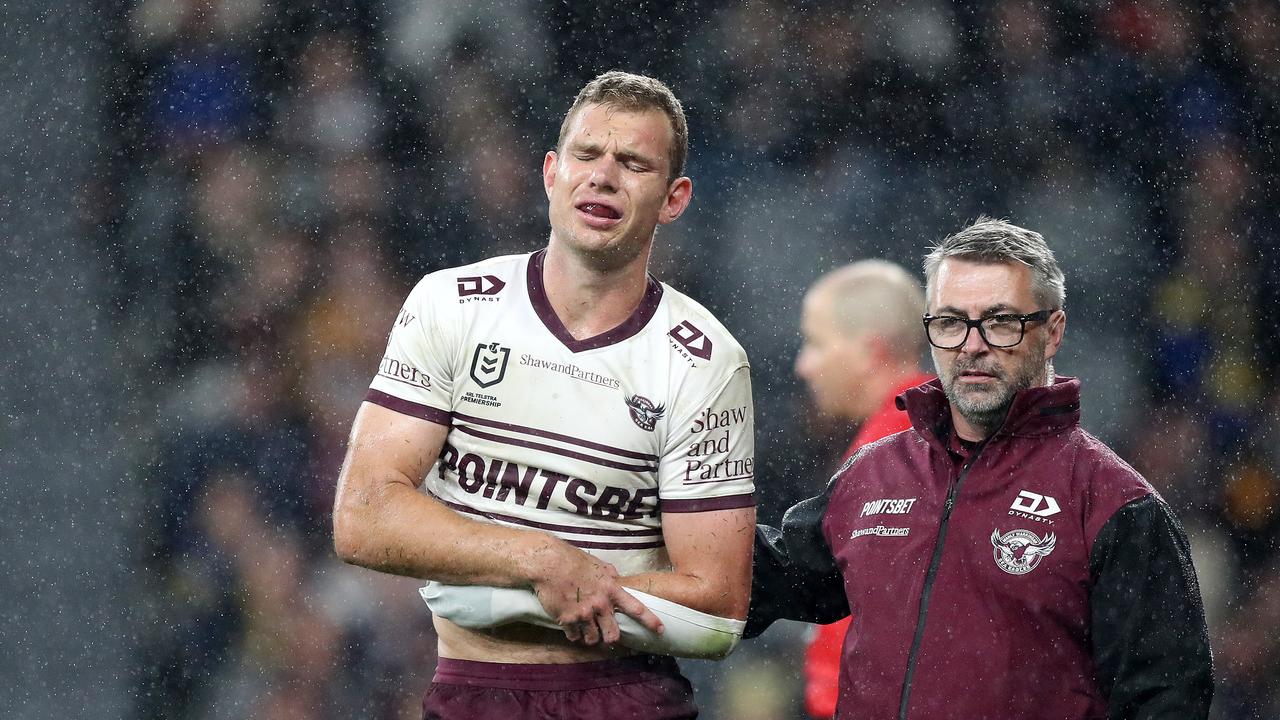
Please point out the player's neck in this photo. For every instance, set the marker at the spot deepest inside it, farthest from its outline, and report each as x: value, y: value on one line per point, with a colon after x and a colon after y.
x: 590, y: 301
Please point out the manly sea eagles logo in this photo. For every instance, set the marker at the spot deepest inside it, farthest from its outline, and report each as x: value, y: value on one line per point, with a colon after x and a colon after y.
x: 1018, y: 552
x: 643, y: 412
x: 489, y: 365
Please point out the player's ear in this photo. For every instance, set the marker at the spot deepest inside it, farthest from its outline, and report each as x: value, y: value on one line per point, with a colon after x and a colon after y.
x: 679, y: 193
x: 550, y: 164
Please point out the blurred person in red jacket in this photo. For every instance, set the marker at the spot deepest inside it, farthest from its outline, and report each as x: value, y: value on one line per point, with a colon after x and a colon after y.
x: 861, y: 348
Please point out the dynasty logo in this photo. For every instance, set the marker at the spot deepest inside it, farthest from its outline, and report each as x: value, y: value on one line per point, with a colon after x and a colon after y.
x: 481, y: 285
x: 643, y: 412
x: 489, y: 364
x: 692, y: 339
x: 1034, y: 506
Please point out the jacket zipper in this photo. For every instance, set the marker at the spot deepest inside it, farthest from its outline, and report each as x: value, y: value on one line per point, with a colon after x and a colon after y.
x: 928, y: 581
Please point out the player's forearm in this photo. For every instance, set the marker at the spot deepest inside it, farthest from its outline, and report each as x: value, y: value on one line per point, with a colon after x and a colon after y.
x: 710, y: 555
x: 395, y: 529
x: 715, y: 594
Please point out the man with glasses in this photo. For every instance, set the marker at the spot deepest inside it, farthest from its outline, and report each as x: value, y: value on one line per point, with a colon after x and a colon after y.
x: 998, y: 561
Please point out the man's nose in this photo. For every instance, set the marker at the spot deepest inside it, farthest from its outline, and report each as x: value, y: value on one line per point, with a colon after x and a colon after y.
x: 974, y: 343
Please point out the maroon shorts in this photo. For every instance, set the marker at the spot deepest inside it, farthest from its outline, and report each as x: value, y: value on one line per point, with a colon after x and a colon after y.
x: 642, y: 687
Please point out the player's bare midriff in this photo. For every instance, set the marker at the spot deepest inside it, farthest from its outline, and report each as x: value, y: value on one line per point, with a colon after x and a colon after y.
x: 517, y: 643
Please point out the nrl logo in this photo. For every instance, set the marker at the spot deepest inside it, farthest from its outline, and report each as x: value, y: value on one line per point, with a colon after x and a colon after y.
x: 643, y: 412
x: 489, y: 364
x: 1018, y: 552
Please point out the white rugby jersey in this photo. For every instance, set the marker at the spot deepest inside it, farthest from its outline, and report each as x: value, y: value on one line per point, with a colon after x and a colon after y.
x: 590, y: 440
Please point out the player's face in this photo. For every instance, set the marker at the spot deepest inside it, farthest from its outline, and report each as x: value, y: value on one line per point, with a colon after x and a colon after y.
x: 608, y: 183
x: 981, y: 380
x: 832, y: 363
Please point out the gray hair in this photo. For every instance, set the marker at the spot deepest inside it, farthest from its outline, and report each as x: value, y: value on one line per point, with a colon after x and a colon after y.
x: 988, y: 240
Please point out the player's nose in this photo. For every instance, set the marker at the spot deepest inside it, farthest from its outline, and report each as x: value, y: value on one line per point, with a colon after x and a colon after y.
x: 802, y: 366
x: 604, y: 174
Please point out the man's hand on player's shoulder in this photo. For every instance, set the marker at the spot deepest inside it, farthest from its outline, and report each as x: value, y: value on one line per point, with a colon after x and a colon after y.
x: 582, y: 593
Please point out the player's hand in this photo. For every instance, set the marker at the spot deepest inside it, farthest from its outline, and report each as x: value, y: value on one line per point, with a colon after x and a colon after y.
x: 582, y: 593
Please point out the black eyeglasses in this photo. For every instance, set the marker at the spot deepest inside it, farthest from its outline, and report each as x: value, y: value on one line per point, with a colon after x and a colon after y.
x: 947, y: 332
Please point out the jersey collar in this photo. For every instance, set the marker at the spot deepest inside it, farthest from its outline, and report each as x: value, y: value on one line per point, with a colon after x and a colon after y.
x: 638, y: 319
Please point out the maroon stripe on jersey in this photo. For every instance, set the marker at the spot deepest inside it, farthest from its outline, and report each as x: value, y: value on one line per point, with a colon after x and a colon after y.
x: 551, y: 526
x: 730, y: 502
x: 555, y: 450
x: 629, y: 327
x: 557, y: 436
x: 408, y: 407
x: 717, y: 480
x: 615, y: 546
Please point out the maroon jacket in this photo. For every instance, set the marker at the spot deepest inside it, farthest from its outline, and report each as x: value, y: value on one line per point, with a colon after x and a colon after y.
x: 1034, y: 576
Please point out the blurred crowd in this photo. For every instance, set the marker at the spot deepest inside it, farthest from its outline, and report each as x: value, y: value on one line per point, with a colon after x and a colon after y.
x: 278, y: 174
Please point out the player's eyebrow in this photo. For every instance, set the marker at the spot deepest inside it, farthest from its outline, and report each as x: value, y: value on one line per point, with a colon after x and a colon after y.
x: 621, y: 154
x: 584, y: 146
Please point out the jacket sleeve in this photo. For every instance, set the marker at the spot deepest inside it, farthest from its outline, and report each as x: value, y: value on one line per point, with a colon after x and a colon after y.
x: 1150, y: 641
x: 794, y: 575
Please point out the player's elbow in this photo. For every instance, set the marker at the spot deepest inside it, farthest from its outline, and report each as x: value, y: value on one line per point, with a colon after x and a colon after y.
x: 734, y: 593
x: 353, y: 533
x: 736, y: 604
x: 346, y: 536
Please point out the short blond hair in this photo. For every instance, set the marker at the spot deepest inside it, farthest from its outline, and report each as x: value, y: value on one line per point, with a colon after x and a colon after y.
x: 880, y: 297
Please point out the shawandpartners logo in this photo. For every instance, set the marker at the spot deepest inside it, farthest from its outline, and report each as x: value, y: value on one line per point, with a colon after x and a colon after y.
x: 570, y: 369
x: 881, y: 531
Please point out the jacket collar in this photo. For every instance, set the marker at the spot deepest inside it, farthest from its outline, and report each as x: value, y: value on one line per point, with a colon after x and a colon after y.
x: 1036, y: 412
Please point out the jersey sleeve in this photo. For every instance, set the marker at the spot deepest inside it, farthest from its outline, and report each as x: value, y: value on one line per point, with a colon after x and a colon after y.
x: 414, y: 376
x: 709, y: 460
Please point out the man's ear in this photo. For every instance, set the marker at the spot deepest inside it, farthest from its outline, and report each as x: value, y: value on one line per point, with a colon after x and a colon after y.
x: 550, y: 165
x: 1057, y: 328
x: 679, y: 193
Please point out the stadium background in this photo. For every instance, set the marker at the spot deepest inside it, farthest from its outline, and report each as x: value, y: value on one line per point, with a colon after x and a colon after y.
x: 214, y: 208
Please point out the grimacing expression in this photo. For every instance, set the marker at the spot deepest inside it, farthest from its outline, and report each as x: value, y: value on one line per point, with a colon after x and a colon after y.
x: 980, y: 380
x: 607, y: 185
